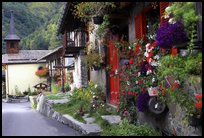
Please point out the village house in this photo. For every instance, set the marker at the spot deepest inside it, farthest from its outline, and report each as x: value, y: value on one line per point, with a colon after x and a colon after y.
x: 20, y: 65
x: 129, y: 21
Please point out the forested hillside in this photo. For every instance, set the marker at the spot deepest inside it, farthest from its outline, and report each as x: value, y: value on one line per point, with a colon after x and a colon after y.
x: 35, y: 23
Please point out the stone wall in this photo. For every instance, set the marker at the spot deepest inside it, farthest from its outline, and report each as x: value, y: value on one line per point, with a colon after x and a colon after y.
x: 44, y: 107
x: 80, y: 72
x: 99, y: 76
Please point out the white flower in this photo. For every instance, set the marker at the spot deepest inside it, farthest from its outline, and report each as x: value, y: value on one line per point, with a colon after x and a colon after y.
x: 172, y: 21
x: 96, y: 86
x: 154, y: 63
x: 149, y: 72
x: 156, y: 57
x: 148, y: 44
x: 128, y: 83
x: 136, y: 82
x: 150, y: 60
x: 153, y: 80
x: 166, y: 16
x: 129, y: 47
x: 139, y: 74
x: 177, y: 81
x: 146, y: 54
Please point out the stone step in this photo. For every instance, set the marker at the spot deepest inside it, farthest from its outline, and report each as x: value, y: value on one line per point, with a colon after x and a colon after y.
x: 112, y: 119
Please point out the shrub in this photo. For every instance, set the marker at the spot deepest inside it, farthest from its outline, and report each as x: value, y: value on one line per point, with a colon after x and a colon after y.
x: 54, y: 88
x: 67, y: 87
x: 124, y: 128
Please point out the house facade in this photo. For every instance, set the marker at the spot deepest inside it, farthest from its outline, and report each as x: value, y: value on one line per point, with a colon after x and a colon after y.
x: 20, y: 65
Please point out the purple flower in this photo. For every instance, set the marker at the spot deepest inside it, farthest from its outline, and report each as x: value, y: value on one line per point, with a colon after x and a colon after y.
x: 142, y: 101
x: 170, y: 34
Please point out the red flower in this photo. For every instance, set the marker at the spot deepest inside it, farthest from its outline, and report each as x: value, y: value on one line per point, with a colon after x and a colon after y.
x: 150, y: 54
x: 138, y: 46
x: 198, y: 104
x: 128, y: 52
x: 131, y: 61
x: 174, y: 51
x: 149, y: 47
x: 154, y: 44
x: 143, y: 89
x: 139, y: 81
x: 163, y: 50
x: 175, y: 85
x: 198, y: 96
x: 148, y: 59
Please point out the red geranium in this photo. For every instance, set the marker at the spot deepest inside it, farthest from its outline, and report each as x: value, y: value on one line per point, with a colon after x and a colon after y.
x: 198, y: 104
x: 198, y: 96
x: 131, y: 61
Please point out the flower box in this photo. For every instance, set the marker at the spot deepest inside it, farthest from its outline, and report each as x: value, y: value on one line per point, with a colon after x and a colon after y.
x: 153, y: 91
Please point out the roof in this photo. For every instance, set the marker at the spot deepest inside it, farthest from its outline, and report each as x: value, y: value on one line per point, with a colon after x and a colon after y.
x: 12, y: 33
x: 50, y: 53
x: 24, y: 56
x: 67, y: 19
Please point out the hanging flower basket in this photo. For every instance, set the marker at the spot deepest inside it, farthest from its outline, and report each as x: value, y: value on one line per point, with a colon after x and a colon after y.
x: 98, y: 20
x: 169, y: 35
x: 42, y: 72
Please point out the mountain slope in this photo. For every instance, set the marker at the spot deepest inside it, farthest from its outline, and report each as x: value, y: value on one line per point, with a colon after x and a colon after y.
x: 35, y: 23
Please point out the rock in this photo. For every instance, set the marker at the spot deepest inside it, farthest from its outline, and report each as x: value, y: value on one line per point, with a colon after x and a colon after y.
x: 112, y: 119
x: 61, y: 101
x: 89, y: 120
x: 91, y: 129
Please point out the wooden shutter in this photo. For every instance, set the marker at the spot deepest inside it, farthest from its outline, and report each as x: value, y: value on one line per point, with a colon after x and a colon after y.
x: 139, y: 26
x: 163, y: 6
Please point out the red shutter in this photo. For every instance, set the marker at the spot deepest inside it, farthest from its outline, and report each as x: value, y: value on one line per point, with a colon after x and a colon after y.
x: 163, y: 6
x: 139, y: 26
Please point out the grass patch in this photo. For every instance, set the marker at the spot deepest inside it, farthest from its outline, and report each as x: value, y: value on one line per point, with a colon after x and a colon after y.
x: 124, y: 128
x: 70, y: 109
x: 58, y: 96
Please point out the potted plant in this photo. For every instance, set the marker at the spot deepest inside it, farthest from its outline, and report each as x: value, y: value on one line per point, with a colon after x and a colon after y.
x: 170, y: 35
x: 184, y: 12
x: 42, y: 72
x: 94, y: 60
x: 95, y: 10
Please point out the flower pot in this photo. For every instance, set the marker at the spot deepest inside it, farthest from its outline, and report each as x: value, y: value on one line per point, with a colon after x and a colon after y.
x: 98, y: 20
x: 156, y: 106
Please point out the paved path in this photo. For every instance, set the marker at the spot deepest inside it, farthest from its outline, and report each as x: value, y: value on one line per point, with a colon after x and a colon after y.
x: 19, y: 119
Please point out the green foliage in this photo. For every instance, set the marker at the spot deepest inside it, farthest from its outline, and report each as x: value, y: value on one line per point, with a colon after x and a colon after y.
x: 185, y: 12
x: 55, y: 89
x: 86, y: 10
x: 193, y: 64
x: 126, y: 129
x: 33, y: 93
x: 67, y: 87
x: 102, y: 30
x: 69, y: 108
x: 93, y: 58
x: 171, y: 65
x: 57, y: 96
x: 17, y: 91
x: 35, y: 23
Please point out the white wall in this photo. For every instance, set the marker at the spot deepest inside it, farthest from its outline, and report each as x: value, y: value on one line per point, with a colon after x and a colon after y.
x: 22, y: 76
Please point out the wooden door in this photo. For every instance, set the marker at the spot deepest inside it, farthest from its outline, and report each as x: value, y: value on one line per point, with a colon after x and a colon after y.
x: 113, y: 79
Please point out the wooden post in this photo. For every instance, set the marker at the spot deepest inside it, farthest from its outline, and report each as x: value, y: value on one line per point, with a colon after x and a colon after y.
x: 63, y: 54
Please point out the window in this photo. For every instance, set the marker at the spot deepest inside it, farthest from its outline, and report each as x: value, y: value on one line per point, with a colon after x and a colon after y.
x: 147, y: 22
x: 12, y: 45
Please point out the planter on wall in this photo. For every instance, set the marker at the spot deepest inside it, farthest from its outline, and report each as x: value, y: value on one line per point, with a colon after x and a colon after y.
x: 156, y: 106
x: 98, y: 20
